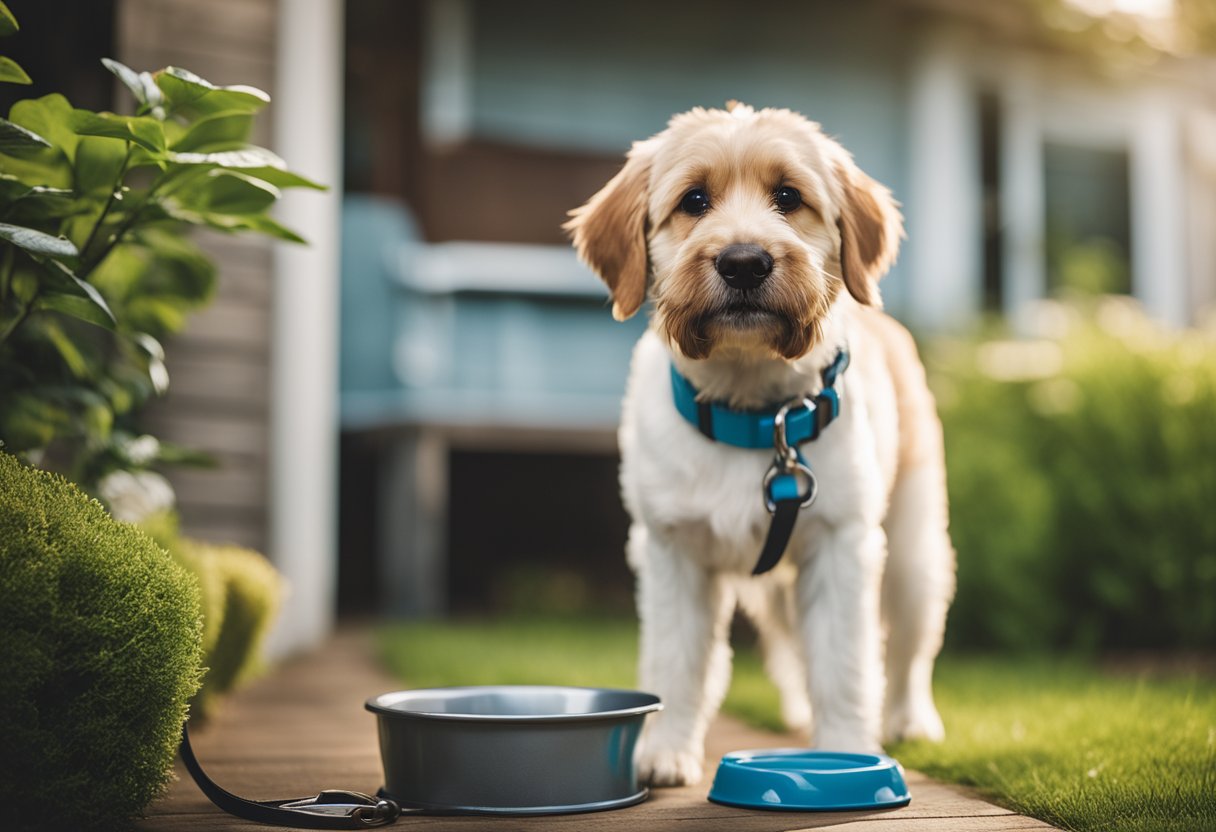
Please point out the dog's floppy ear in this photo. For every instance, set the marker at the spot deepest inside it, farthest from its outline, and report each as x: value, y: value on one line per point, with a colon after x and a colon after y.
x: 870, y: 230
x: 609, y: 232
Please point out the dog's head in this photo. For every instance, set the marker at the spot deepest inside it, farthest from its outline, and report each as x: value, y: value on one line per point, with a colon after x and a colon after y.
x: 744, y: 226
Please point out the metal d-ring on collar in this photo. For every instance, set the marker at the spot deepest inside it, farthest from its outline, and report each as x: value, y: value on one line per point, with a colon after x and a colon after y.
x: 788, y: 461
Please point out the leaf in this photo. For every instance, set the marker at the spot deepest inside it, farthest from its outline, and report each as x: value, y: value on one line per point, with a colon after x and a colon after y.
x: 263, y: 224
x: 186, y: 92
x: 8, y: 23
x: 24, y: 285
x: 98, y: 164
x: 38, y: 242
x: 250, y: 156
x: 66, y: 348
x: 77, y: 306
x: 13, y: 189
x: 284, y: 178
x: 228, y: 192
x: 11, y: 72
x: 29, y: 422
x: 14, y: 137
x: 140, y: 84
x: 49, y: 167
x: 49, y: 117
x: 259, y: 223
x: 145, y: 131
x: 27, y: 205
x: 225, y: 128
x: 150, y: 345
x: 63, y: 280
x: 119, y: 275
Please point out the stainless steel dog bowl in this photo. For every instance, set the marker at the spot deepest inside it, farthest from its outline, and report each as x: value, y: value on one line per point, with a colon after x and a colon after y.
x: 516, y: 750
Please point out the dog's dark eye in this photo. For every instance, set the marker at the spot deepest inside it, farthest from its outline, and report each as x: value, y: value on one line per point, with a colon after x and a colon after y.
x: 787, y: 199
x: 695, y: 202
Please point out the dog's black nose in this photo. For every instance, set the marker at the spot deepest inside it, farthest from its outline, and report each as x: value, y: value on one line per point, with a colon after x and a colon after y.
x: 744, y: 265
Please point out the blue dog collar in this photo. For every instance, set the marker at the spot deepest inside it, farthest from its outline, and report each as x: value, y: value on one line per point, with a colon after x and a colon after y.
x: 789, y: 484
x: 804, y: 421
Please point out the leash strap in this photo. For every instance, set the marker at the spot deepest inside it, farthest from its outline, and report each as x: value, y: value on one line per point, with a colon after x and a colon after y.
x: 331, y: 809
x: 778, y: 537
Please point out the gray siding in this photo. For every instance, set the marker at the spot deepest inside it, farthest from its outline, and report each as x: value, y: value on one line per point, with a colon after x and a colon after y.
x: 219, y: 366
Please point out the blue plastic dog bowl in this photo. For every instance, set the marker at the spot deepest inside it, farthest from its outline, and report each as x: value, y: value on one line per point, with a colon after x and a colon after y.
x: 800, y: 780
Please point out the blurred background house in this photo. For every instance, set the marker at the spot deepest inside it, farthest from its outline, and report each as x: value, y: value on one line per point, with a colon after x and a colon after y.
x: 1033, y: 148
x: 472, y: 394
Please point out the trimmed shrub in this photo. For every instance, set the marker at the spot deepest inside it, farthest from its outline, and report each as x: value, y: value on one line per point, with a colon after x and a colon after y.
x: 241, y: 593
x: 252, y: 591
x: 100, y: 655
x: 1082, y: 475
x: 163, y: 528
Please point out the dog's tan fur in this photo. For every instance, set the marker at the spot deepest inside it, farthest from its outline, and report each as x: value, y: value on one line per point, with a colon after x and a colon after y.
x: 698, y: 520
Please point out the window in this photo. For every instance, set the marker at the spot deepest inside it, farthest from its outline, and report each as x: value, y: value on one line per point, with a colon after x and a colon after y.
x: 1088, y: 222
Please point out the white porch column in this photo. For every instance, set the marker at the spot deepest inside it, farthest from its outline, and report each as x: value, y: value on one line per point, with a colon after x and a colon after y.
x: 304, y: 344
x: 1159, y: 273
x: 1023, y: 206
x: 447, y: 82
x: 944, y: 211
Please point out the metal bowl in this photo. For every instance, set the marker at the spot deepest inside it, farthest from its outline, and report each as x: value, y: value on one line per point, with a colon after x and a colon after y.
x: 514, y: 750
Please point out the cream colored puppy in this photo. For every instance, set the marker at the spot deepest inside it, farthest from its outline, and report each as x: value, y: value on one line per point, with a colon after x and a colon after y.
x: 761, y: 243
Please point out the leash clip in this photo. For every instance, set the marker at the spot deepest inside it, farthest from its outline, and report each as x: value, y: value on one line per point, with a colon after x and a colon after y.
x: 787, y: 455
x: 789, y: 470
x: 372, y: 811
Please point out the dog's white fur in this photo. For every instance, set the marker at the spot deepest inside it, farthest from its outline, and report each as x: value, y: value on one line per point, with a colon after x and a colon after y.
x: 870, y: 563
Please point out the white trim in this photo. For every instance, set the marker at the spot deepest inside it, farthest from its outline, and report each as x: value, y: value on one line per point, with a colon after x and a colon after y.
x: 447, y: 72
x: 1159, y: 245
x: 304, y: 344
x: 944, y: 217
x: 517, y: 268
x: 1023, y: 207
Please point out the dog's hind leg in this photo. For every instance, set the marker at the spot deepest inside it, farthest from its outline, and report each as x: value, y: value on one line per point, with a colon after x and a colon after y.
x: 769, y: 603
x: 917, y: 588
x: 685, y: 655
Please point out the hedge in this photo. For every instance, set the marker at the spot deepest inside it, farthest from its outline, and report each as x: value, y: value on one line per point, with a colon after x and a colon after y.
x: 1082, y: 477
x: 241, y: 593
x: 101, y: 649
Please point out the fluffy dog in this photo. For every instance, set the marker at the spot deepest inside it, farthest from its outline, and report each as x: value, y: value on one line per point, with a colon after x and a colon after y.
x: 761, y: 244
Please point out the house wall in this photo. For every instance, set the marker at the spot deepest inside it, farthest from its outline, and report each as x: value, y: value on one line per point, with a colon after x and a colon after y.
x: 586, y: 80
x: 219, y: 366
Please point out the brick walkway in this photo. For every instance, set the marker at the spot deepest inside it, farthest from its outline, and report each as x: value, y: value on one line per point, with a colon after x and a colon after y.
x: 303, y: 729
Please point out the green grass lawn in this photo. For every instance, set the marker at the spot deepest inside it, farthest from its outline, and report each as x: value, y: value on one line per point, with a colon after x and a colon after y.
x: 1053, y: 738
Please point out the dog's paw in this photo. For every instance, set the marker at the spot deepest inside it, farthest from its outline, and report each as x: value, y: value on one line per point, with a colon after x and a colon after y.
x: 796, y: 712
x: 665, y: 767
x: 913, y: 722
x: 852, y: 739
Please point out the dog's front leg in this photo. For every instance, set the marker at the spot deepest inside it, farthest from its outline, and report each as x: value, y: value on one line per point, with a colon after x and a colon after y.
x: 684, y: 657
x: 838, y: 599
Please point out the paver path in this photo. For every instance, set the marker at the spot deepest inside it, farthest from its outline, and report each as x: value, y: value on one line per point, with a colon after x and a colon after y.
x: 303, y: 729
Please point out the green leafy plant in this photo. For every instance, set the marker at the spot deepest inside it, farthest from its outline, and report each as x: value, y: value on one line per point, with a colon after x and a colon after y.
x: 1082, y: 482
x: 95, y: 265
x: 101, y: 652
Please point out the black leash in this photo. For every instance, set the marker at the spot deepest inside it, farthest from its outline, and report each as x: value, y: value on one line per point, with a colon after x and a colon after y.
x: 331, y: 809
x: 790, y: 484
x: 779, y: 532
